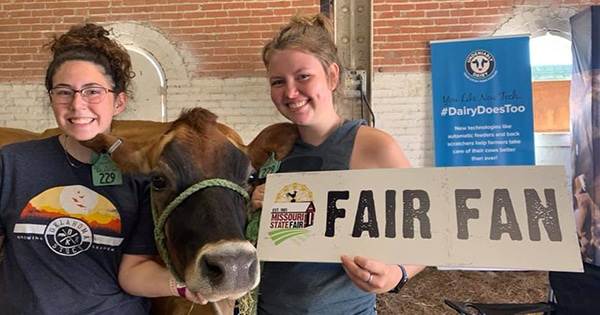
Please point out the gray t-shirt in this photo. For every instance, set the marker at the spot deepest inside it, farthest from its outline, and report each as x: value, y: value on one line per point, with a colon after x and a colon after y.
x: 64, y: 237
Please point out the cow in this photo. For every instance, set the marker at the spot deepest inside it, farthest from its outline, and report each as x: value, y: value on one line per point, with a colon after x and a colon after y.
x: 199, y: 169
x: 138, y: 131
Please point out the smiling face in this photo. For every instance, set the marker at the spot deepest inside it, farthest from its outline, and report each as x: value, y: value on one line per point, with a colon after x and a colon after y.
x: 301, y: 89
x: 78, y: 118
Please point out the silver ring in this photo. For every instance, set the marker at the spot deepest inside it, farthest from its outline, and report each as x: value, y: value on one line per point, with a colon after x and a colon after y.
x: 370, y: 277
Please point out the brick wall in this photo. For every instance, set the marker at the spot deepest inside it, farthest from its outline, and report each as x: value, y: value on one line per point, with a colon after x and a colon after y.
x: 210, y: 51
x: 224, y: 36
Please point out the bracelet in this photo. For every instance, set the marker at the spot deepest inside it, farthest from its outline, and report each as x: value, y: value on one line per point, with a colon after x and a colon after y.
x: 176, y: 288
x: 402, y: 281
x: 181, y: 289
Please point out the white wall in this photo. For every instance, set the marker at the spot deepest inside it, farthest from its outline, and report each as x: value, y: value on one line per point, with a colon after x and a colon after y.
x: 401, y: 102
x: 554, y: 149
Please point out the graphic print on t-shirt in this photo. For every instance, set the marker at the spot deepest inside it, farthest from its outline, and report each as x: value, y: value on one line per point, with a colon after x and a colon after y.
x: 70, y: 219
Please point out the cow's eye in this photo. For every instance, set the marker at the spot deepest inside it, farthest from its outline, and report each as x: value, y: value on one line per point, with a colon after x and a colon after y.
x: 158, y: 182
x: 252, y: 177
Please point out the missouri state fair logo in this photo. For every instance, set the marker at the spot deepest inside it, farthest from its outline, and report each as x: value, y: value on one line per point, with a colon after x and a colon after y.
x: 291, y: 214
x: 480, y: 66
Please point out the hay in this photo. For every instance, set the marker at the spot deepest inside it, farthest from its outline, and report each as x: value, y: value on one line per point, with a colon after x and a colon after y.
x: 247, y: 303
x: 425, y: 294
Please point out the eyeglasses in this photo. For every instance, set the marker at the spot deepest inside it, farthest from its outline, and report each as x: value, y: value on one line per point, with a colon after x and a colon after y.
x: 92, y: 94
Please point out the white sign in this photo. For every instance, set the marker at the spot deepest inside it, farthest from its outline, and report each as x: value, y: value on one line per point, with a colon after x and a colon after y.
x: 516, y: 217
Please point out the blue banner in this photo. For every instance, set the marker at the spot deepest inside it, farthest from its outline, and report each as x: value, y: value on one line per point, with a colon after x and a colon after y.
x: 482, y: 104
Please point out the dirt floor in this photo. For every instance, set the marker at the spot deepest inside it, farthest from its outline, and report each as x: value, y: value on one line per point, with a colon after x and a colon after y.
x: 425, y: 294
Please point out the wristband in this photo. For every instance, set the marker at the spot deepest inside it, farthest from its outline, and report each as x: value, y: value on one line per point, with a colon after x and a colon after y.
x: 181, y: 289
x: 402, y: 281
x: 176, y: 288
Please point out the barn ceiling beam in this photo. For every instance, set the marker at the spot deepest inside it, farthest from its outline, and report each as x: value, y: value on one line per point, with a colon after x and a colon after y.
x: 353, y: 20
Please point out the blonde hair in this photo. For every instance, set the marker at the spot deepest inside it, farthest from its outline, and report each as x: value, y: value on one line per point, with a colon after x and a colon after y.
x: 310, y: 34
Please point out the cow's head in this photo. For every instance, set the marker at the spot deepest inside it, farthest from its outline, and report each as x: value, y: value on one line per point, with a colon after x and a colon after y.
x: 199, y: 170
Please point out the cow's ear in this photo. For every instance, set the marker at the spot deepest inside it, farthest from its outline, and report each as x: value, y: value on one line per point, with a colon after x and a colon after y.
x: 278, y: 138
x: 231, y: 135
x: 129, y: 156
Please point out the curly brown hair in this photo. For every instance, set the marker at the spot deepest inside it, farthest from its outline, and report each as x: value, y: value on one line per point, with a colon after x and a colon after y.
x: 90, y: 42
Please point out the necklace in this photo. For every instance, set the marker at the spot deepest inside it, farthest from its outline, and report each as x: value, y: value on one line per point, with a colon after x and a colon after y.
x: 67, y: 155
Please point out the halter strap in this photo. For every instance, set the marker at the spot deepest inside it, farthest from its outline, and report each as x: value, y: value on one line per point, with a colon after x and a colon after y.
x: 160, y: 221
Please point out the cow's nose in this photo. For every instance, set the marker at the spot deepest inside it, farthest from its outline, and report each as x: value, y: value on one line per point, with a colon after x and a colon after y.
x: 230, y: 270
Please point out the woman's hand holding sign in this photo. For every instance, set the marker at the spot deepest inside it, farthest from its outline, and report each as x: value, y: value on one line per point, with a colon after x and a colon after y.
x: 371, y: 276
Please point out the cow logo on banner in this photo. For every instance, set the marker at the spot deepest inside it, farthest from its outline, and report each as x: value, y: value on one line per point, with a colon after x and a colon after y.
x: 480, y: 66
x: 292, y: 213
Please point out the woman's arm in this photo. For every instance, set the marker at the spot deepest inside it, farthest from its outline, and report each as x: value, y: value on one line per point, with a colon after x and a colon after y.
x: 258, y: 195
x: 375, y: 277
x: 374, y: 148
x: 141, y: 275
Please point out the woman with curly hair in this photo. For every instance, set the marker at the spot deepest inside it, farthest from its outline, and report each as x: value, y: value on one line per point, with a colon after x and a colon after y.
x: 73, y: 244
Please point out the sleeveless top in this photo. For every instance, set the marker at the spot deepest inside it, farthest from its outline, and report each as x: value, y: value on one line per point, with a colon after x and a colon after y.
x: 315, y: 288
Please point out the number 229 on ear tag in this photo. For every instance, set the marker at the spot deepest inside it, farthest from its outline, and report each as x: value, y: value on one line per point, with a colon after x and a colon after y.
x: 105, y: 172
x: 271, y: 166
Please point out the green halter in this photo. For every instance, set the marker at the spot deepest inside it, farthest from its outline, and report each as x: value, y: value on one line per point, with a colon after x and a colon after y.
x: 159, y: 222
